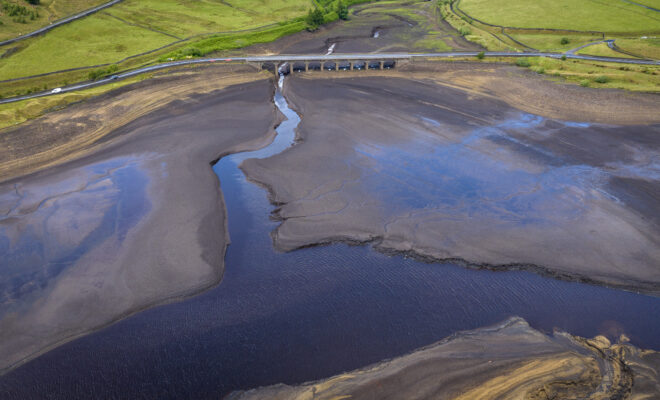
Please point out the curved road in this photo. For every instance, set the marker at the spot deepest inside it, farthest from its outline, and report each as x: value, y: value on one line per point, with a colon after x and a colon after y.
x: 329, y: 57
x: 61, y: 22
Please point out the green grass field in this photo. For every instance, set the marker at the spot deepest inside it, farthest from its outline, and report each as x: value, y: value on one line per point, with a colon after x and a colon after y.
x: 137, y: 26
x: 647, y: 48
x: 45, y: 12
x: 553, y: 42
x: 602, y: 50
x: 93, y: 40
x: 184, y: 18
x: 582, y: 15
x: 651, y: 3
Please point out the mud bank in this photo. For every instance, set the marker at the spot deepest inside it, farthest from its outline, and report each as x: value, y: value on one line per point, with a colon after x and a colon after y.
x: 505, y: 361
x: 134, y: 217
x: 443, y: 173
x: 376, y: 27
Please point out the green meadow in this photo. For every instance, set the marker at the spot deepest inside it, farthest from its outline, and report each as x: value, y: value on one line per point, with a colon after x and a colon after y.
x: 582, y: 15
x: 18, y: 17
x: 138, y: 26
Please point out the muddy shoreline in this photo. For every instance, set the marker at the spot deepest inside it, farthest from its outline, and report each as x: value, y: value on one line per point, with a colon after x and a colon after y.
x: 306, y: 222
x: 172, y: 249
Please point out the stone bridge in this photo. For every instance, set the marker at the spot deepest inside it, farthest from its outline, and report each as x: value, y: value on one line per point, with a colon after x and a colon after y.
x: 330, y: 62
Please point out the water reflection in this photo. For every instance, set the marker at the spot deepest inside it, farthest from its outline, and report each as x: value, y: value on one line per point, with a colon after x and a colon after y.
x: 49, y: 227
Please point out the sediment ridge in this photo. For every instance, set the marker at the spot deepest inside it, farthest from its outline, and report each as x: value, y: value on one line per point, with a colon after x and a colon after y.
x: 509, y: 360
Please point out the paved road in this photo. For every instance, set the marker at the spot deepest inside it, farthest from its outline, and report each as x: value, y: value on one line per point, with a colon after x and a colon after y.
x: 61, y: 22
x: 329, y: 57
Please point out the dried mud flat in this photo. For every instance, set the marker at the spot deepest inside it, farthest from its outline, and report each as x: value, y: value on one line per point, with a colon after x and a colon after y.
x: 128, y: 213
x: 507, y: 361
x: 378, y: 28
x: 443, y: 173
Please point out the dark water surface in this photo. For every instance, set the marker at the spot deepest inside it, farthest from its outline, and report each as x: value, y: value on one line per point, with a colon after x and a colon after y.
x: 310, y: 314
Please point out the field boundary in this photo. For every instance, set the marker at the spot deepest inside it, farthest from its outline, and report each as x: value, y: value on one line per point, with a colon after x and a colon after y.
x: 60, y: 22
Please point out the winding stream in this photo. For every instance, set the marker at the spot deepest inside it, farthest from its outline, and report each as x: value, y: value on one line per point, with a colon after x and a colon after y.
x: 310, y: 313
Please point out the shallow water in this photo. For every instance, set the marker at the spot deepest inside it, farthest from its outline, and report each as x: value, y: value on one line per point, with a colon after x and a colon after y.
x: 310, y: 314
x: 50, y: 227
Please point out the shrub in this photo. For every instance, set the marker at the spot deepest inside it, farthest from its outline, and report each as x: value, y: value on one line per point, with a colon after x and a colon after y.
x: 99, y: 73
x: 602, y: 79
x: 523, y: 62
x: 481, y: 55
x: 192, y: 52
x: 314, y: 19
x: 564, y: 41
x: 584, y: 83
x: 465, y: 31
x: 33, y: 2
x: 563, y: 57
x: 342, y: 10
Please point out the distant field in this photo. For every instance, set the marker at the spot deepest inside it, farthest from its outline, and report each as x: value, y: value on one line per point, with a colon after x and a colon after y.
x: 583, y: 15
x: 96, y: 39
x: 185, y: 18
x: 651, y: 3
x: 554, y: 42
x: 649, y: 48
x: 137, y: 26
x: 38, y: 16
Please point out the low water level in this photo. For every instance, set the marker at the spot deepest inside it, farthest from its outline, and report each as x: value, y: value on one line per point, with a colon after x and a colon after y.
x: 310, y: 313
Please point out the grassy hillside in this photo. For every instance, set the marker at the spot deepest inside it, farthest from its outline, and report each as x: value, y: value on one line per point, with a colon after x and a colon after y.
x: 582, y: 15
x: 559, y: 25
x: 18, y: 17
x: 137, y: 26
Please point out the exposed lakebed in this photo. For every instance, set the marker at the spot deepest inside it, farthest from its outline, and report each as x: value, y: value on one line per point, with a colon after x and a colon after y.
x: 311, y: 313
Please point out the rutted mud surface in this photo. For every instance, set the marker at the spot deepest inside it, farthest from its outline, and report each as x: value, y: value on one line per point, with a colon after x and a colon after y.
x: 448, y: 175
x: 507, y: 361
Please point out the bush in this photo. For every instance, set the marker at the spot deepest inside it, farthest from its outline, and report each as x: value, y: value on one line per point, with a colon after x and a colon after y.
x: 481, y: 55
x: 99, y: 73
x: 314, y: 19
x: 33, y: 2
x: 342, y: 10
x: 523, y: 62
x: 563, y: 57
x: 192, y: 52
x: 465, y: 31
x: 584, y: 83
x: 602, y: 79
x: 564, y: 41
